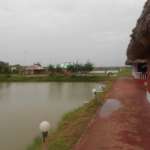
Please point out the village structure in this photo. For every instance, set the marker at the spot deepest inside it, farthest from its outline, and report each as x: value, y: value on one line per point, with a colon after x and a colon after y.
x: 138, y: 52
x: 38, y: 69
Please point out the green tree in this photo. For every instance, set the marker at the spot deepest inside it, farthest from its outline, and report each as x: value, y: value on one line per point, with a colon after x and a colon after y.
x: 4, y: 68
x: 51, y: 68
x: 59, y: 69
x: 88, y: 66
x: 70, y: 68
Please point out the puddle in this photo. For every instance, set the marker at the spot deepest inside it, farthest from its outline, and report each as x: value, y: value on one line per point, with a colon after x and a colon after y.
x: 110, y: 106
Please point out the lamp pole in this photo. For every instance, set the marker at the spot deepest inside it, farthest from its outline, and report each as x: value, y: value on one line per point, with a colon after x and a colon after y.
x: 44, y: 127
x: 94, y: 92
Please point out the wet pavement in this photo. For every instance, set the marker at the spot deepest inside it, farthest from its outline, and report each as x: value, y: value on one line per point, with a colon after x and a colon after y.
x: 110, y: 106
x: 122, y: 123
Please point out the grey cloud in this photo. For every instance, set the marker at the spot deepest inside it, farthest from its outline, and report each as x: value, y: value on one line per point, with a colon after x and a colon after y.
x: 64, y: 30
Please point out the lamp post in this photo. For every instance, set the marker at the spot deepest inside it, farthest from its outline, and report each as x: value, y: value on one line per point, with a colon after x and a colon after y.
x: 94, y: 92
x: 44, y: 127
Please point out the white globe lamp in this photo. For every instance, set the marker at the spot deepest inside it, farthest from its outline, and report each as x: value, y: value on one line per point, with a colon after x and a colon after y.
x: 44, y: 127
x: 94, y: 91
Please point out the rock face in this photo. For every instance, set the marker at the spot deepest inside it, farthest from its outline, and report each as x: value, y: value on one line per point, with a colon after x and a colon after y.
x: 139, y: 47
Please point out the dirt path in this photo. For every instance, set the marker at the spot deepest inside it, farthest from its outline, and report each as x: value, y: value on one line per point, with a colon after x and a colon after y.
x: 123, y: 123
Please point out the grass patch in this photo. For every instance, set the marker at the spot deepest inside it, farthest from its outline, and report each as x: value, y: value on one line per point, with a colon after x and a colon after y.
x: 55, y: 78
x: 72, y: 126
x: 36, y: 144
x: 125, y: 72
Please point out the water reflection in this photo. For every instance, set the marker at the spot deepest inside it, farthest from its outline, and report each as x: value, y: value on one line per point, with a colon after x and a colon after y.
x: 4, y: 89
x: 110, y: 106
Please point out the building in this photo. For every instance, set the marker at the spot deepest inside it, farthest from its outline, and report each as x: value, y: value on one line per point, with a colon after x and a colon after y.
x: 34, y: 69
x: 139, y: 69
x: 16, y: 69
x: 138, y: 53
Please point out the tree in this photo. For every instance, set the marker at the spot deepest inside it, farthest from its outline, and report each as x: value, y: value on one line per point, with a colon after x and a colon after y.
x: 88, y: 66
x: 51, y: 68
x: 59, y: 69
x: 75, y: 67
x: 70, y: 68
x: 80, y: 67
x: 4, y: 68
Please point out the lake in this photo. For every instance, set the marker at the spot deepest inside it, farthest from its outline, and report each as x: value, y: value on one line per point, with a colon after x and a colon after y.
x: 24, y: 105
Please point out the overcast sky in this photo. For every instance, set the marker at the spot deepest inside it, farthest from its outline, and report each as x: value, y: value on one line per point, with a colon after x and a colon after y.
x: 56, y: 31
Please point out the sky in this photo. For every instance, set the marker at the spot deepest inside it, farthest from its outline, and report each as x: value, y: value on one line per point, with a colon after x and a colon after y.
x: 57, y: 31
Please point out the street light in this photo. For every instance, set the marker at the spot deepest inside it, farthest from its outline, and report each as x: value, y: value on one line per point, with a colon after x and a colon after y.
x: 94, y: 92
x: 44, y: 127
x: 97, y: 91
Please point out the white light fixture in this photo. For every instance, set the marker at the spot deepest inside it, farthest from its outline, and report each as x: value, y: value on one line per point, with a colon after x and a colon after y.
x: 44, y: 127
x: 93, y: 91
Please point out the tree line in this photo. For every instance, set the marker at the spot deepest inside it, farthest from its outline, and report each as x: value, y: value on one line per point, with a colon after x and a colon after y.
x: 75, y: 67
x: 6, y: 68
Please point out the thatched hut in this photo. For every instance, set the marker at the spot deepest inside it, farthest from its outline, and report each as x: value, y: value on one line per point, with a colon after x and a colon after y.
x: 138, y: 53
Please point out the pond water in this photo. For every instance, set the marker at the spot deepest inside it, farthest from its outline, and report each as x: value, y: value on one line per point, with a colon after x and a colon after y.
x: 24, y: 105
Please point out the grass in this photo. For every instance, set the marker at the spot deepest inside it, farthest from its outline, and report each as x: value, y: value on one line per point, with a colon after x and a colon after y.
x: 71, y: 127
x: 61, y: 78
x: 125, y: 72
x: 57, y: 78
x: 36, y: 144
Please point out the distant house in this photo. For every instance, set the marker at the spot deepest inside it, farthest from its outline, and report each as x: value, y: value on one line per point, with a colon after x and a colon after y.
x: 16, y: 69
x: 34, y: 69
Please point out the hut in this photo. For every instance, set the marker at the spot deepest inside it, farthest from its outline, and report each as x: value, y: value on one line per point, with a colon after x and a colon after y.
x: 138, y: 53
x: 34, y: 69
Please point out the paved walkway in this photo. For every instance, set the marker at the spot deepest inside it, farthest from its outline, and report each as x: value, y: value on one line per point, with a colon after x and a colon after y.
x: 123, y: 123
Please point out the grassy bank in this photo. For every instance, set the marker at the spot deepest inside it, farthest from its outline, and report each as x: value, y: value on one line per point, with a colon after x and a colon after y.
x: 72, y: 126
x: 125, y: 72
x: 56, y: 78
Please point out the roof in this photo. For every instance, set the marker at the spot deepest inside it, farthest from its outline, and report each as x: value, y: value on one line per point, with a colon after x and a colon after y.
x: 34, y: 67
x: 131, y: 62
x: 139, y: 46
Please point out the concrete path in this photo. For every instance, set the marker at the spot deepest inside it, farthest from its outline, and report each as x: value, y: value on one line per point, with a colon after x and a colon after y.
x: 123, y: 123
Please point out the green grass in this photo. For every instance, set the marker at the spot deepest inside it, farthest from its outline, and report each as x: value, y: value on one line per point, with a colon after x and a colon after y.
x: 71, y: 127
x: 36, y: 144
x: 57, y: 78
x: 125, y: 72
x: 61, y: 78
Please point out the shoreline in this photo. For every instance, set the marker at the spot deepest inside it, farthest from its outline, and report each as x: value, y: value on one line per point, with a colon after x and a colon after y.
x: 72, y: 125
x: 57, y: 78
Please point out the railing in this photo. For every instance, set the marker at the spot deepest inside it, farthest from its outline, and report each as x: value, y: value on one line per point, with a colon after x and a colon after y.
x: 141, y: 76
